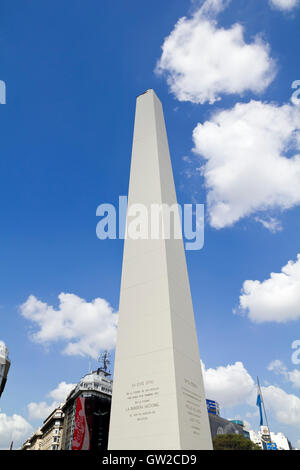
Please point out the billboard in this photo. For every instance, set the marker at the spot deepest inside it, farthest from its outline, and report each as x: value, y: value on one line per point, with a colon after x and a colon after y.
x: 81, y: 436
x: 213, y: 407
x: 91, y: 423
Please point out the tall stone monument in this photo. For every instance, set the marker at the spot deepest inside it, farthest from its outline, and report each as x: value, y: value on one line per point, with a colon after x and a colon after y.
x: 158, y: 397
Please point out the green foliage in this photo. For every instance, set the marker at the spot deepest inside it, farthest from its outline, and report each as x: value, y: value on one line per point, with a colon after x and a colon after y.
x: 233, y: 442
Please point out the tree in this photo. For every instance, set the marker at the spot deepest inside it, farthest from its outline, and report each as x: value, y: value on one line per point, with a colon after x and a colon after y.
x: 233, y: 442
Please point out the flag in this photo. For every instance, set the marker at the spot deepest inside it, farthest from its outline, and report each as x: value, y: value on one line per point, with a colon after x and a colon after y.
x: 258, y: 403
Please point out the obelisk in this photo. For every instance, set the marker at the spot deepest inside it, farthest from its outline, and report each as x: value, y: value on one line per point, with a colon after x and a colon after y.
x: 158, y: 399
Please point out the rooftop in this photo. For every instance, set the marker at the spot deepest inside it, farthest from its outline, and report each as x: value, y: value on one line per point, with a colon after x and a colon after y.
x: 3, y: 350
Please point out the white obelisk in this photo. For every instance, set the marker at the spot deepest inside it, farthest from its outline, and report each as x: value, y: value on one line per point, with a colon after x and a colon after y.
x: 158, y: 397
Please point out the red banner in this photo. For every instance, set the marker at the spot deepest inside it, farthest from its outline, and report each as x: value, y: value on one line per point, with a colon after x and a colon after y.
x: 81, y: 436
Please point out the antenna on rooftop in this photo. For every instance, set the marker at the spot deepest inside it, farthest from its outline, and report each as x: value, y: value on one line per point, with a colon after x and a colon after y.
x: 104, y: 361
x: 90, y: 364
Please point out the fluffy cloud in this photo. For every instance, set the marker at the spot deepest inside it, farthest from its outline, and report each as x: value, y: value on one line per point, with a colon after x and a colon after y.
x: 40, y: 411
x: 276, y: 299
x: 230, y: 385
x: 285, y: 407
x: 250, y: 165
x: 13, y: 428
x: 203, y: 61
x: 86, y: 327
x: 60, y: 393
x: 292, y: 376
x: 270, y: 223
x: 277, y: 366
x: 284, y: 5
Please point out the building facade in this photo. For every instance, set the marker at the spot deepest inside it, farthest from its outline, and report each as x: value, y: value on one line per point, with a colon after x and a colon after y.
x: 49, y: 435
x: 52, y: 431
x: 4, y: 366
x: 82, y: 422
x: 281, y: 441
x: 270, y: 440
x: 33, y: 442
x: 87, y: 413
x: 220, y: 425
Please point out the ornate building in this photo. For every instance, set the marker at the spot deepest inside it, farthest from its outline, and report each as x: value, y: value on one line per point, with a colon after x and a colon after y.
x: 82, y: 422
x: 4, y: 366
x: 49, y: 435
x: 87, y: 412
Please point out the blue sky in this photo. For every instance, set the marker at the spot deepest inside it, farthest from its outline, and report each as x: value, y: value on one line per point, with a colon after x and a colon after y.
x: 72, y: 72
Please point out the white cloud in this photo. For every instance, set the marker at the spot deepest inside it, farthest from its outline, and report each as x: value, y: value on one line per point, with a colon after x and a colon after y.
x: 277, y: 366
x: 276, y: 299
x: 13, y: 428
x: 60, y: 393
x: 203, y: 61
x: 292, y: 376
x: 284, y: 5
x: 229, y: 386
x: 232, y: 385
x: 270, y: 223
x: 40, y: 411
x: 249, y: 167
x: 86, y: 327
x: 252, y: 414
x: 284, y: 406
x: 212, y: 7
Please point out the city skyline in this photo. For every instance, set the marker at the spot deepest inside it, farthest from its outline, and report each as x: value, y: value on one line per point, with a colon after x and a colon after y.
x: 72, y: 75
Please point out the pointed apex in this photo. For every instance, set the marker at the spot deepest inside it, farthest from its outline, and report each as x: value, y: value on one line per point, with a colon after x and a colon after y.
x: 149, y: 91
